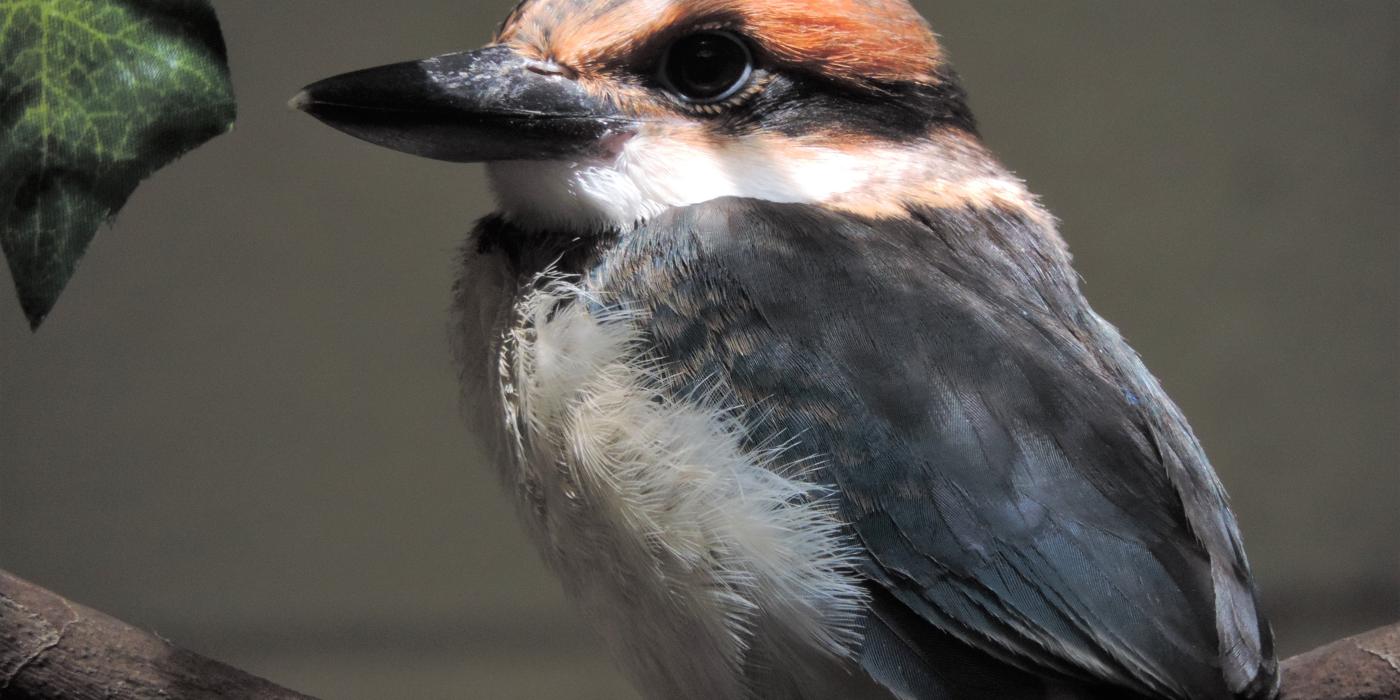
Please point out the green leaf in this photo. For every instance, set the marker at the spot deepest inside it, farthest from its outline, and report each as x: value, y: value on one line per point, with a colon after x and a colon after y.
x: 95, y: 95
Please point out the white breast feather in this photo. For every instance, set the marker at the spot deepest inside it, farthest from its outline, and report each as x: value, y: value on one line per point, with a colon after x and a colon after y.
x: 671, y: 533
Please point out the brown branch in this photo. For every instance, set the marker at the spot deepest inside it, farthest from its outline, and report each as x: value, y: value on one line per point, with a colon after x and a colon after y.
x: 1364, y: 667
x: 51, y: 648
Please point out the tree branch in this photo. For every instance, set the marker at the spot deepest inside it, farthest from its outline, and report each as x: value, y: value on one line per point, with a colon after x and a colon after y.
x: 1364, y: 667
x: 50, y: 647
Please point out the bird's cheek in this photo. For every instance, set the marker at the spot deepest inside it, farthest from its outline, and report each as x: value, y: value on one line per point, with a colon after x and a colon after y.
x: 612, y: 145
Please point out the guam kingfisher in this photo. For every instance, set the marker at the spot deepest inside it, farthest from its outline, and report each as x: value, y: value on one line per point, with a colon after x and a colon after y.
x: 793, y: 381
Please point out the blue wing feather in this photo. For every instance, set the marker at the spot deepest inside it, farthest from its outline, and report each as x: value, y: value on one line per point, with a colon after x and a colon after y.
x: 1004, y: 459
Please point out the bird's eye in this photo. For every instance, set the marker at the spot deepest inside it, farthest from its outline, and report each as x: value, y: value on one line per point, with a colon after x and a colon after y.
x: 707, y: 67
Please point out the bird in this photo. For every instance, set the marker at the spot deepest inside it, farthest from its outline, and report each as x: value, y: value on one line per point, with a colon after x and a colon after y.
x: 793, y: 382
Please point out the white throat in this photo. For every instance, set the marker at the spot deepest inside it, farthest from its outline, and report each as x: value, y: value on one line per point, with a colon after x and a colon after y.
x: 659, y: 170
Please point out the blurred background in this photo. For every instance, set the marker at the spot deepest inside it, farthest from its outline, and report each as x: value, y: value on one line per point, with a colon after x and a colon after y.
x: 239, y: 427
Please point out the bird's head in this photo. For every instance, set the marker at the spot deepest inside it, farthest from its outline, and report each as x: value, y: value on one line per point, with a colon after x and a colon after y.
x: 596, y: 114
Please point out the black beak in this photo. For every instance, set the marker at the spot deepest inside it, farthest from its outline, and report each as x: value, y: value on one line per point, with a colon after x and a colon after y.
x: 486, y: 105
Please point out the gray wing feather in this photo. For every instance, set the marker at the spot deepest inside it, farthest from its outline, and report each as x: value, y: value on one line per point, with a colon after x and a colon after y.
x: 1018, y: 479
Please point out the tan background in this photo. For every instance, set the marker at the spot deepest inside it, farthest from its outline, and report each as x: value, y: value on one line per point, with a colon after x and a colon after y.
x: 239, y: 429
